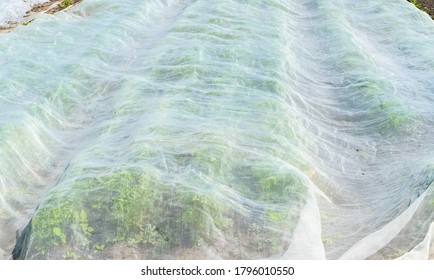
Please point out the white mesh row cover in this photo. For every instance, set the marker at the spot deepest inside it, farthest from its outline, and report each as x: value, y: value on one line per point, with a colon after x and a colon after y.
x: 232, y: 129
x: 424, y: 250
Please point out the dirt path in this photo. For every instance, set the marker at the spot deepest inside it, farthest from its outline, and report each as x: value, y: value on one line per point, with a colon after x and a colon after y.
x: 425, y: 5
x: 49, y: 7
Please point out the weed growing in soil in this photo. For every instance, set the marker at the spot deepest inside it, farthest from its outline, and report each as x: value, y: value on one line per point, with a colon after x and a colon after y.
x: 65, y: 4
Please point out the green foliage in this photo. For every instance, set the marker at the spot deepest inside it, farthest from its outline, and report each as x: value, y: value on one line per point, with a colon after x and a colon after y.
x: 279, y: 222
x: 54, y: 223
x: 398, y: 119
x: 66, y: 3
x: 202, y: 214
x: 212, y: 160
x: 99, y: 247
x: 133, y: 208
x: 84, y: 223
x: 275, y: 187
x: 418, y: 5
x: 375, y: 95
x: 70, y: 255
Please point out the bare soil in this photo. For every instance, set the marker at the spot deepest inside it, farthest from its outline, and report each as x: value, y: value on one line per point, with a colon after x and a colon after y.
x: 425, y: 5
x: 49, y: 7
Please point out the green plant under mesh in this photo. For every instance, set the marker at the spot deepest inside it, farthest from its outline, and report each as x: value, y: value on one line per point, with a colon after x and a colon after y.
x: 66, y: 3
x: 138, y: 210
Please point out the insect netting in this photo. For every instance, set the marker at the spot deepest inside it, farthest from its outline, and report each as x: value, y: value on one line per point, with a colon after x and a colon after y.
x: 233, y: 129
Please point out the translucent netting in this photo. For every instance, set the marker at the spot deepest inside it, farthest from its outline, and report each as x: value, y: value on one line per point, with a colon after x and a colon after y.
x: 218, y: 129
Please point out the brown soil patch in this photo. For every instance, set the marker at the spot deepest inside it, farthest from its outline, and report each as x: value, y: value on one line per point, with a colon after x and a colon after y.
x: 425, y: 5
x: 40, y: 7
x: 61, y: 6
x: 10, y: 25
x: 49, y: 7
